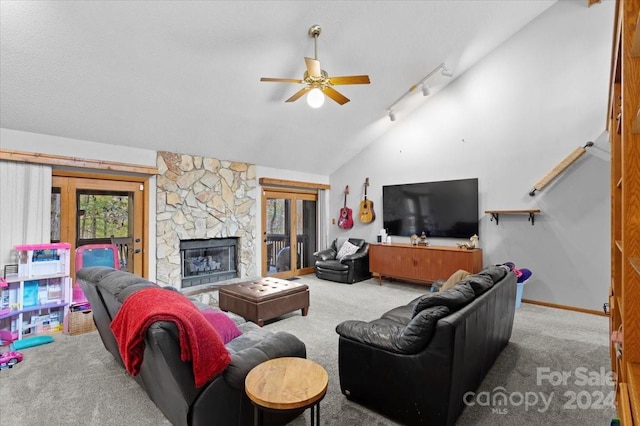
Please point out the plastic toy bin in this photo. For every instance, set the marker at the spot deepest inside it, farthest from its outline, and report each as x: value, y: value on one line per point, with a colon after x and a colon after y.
x: 519, y: 291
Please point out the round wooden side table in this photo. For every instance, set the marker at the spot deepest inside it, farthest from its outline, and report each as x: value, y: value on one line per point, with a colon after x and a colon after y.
x: 287, y: 383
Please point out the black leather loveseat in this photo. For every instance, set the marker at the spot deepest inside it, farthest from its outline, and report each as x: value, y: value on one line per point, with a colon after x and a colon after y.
x: 416, y: 362
x: 348, y: 269
x: 167, y: 379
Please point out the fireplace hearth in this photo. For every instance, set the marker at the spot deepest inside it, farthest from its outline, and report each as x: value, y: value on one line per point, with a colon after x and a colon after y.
x: 205, y: 261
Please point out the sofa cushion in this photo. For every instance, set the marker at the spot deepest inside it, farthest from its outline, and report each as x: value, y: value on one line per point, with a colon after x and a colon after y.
x: 346, y: 249
x: 256, y: 346
x: 402, y: 314
x: 454, y: 298
x: 226, y: 328
x: 496, y: 272
x: 417, y: 334
x: 392, y: 336
x: 479, y: 283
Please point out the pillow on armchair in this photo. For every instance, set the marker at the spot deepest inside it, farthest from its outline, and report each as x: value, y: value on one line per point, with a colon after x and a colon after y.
x: 346, y: 249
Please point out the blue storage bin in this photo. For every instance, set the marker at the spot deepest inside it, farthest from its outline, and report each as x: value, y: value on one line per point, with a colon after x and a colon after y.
x: 519, y: 293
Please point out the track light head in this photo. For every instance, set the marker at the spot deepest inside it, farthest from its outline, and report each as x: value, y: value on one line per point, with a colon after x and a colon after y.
x: 392, y: 115
x: 446, y: 72
x: 425, y: 90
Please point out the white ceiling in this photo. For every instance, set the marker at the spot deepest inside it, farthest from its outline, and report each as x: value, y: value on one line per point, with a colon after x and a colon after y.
x: 184, y: 76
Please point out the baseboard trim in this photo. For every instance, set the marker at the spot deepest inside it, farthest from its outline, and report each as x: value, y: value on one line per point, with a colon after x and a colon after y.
x: 565, y: 307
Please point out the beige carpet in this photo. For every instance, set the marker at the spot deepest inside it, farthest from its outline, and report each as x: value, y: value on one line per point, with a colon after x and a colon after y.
x: 76, y: 381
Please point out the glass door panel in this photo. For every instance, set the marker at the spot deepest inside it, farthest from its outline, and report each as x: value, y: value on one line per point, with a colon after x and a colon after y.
x: 56, y: 214
x: 278, y: 237
x: 306, y: 231
x: 101, y: 216
x: 98, y: 211
x: 289, y: 220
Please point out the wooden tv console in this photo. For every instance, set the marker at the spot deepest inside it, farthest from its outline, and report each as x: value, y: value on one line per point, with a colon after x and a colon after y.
x: 423, y: 264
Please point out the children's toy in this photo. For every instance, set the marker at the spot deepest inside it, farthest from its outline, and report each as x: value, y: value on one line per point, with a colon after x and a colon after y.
x: 10, y: 358
x: 29, y: 342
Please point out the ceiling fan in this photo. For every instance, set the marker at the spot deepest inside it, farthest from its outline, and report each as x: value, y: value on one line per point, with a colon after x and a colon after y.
x: 318, y: 83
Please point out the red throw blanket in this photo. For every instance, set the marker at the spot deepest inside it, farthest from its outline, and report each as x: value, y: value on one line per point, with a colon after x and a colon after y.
x: 199, y: 342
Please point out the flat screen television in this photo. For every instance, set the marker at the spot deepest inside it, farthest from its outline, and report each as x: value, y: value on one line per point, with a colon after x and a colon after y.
x: 447, y: 209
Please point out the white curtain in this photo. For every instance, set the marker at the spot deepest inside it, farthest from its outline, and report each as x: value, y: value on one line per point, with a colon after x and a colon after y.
x: 323, y: 219
x: 25, y: 207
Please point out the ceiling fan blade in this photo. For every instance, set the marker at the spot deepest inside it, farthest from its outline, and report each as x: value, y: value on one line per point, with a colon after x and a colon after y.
x: 335, y: 95
x: 298, y: 94
x: 313, y: 67
x: 281, y: 80
x: 350, y: 79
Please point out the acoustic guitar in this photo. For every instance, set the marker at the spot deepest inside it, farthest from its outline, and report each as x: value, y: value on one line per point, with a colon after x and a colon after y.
x: 346, y: 214
x: 367, y: 214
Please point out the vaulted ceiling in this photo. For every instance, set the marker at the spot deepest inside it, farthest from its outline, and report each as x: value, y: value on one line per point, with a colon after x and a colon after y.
x: 184, y: 76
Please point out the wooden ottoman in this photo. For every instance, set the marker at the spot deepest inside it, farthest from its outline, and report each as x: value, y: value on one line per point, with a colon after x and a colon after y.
x: 264, y: 299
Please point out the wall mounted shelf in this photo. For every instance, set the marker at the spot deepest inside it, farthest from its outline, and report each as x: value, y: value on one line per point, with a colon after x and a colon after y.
x: 495, y: 214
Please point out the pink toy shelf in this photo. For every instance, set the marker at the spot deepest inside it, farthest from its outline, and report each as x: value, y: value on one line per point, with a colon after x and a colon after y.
x: 43, y: 259
x: 36, y: 300
x: 4, y: 297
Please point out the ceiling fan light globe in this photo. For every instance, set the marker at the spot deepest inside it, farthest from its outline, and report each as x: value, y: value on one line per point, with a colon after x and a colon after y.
x: 315, y: 98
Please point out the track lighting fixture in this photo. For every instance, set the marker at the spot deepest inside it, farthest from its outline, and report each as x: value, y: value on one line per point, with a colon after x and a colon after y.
x: 422, y: 84
x: 446, y: 72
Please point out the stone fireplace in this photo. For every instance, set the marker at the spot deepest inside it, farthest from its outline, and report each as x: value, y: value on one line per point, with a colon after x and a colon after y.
x: 208, y: 260
x: 199, y: 199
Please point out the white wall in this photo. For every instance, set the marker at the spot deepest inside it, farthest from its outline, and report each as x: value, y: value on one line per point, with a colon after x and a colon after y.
x: 508, y: 121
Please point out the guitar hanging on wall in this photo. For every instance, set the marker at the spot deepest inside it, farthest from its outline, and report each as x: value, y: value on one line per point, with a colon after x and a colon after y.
x: 346, y: 214
x: 367, y: 214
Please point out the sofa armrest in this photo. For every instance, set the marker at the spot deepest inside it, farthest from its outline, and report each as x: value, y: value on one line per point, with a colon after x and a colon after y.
x: 327, y: 254
x: 393, y: 336
x: 278, y: 345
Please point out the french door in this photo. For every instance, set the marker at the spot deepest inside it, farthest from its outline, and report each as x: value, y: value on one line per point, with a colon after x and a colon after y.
x: 289, y: 220
x: 100, y: 210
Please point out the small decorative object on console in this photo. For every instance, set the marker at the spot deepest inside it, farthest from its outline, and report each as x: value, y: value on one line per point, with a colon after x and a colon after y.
x: 471, y: 244
x: 423, y: 240
x: 414, y: 240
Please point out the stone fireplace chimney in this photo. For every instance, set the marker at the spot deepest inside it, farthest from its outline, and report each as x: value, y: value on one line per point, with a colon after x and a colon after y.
x: 202, y: 198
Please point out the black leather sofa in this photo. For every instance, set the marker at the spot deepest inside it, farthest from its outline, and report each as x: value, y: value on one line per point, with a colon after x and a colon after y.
x: 350, y: 269
x: 417, y: 369
x: 167, y: 379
